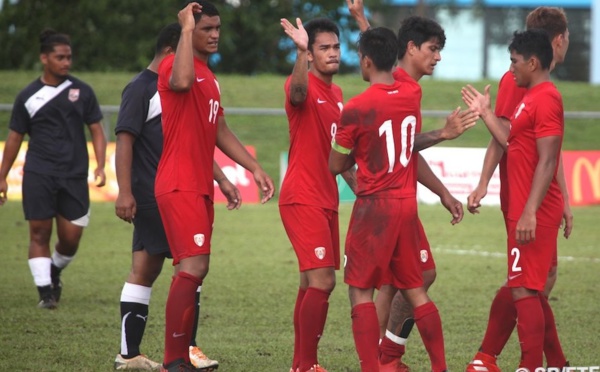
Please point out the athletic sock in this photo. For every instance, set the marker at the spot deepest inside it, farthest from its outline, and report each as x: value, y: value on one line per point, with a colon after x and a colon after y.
x: 552, y: 348
x: 501, y: 323
x: 134, y: 315
x: 197, y: 317
x: 179, y: 316
x: 312, y: 317
x: 429, y: 325
x: 40, y: 270
x: 59, y: 262
x: 392, y: 347
x: 365, y: 329
x: 530, y: 327
x: 297, y: 306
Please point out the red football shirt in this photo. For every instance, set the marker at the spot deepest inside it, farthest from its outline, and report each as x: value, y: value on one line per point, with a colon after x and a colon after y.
x: 189, y: 121
x: 379, y: 126
x: 312, y: 126
x: 509, y: 96
x: 540, y: 114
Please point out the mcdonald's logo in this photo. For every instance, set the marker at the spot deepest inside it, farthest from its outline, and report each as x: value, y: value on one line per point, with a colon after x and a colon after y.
x: 593, y: 171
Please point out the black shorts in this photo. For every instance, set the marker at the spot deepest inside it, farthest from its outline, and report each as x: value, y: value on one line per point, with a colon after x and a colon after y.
x: 149, y: 233
x: 45, y: 197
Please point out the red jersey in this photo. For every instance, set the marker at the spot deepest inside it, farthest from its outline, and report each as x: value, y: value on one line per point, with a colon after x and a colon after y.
x: 540, y: 114
x: 509, y: 96
x: 189, y: 121
x: 312, y: 126
x: 379, y: 126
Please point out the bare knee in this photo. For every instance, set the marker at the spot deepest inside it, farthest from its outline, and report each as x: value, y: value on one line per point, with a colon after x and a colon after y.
x: 321, y: 278
x: 145, y: 268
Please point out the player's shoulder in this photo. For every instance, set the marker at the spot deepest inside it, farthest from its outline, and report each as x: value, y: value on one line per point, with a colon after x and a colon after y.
x: 143, y: 82
x: 29, y: 90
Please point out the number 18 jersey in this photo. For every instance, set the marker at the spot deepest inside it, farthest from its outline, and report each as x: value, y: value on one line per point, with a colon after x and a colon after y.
x: 379, y: 126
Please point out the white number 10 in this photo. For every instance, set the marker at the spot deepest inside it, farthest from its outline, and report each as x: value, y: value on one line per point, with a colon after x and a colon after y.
x: 407, y: 130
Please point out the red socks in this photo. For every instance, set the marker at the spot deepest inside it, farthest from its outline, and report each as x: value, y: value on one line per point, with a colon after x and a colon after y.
x: 179, y: 316
x: 530, y: 327
x: 299, y: 298
x: 552, y: 349
x: 389, y: 351
x: 365, y: 328
x: 312, y: 316
x: 429, y: 324
x: 502, y: 321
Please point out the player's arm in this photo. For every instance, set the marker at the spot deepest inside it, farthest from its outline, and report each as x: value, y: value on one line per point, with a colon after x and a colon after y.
x: 548, y: 149
x: 234, y: 198
x: 492, y: 157
x: 350, y: 177
x: 456, y: 124
x: 125, y: 205
x: 357, y: 10
x: 340, y: 159
x: 99, y: 144
x: 183, y: 74
x: 232, y: 147
x: 11, y: 150
x: 482, y: 104
x: 427, y: 178
x: 299, y: 79
x: 567, y: 213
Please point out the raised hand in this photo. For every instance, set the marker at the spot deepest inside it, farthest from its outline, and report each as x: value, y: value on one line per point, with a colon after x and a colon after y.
x: 186, y: 15
x: 458, y: 122
x: 357, y: 11
x: 475, y: 100
x: 297, y: 34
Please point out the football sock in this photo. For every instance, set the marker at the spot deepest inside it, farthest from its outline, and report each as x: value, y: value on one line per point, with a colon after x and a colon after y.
x: 134, y: 314
x: 299, y: 298
x: 530, y: 327
x: 501, y: 322
x: 195, y: 327
x: 552, y: 348
x: 44, y: 291
x: 429, y: 325
x: 40, y: 270
x: 179, y: 316
x: 365, y: 329
x: 391, y: 347
x: 60, y: 260
x: 312, y: 317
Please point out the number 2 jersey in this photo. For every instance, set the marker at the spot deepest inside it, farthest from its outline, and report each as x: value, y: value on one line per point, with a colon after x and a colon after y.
x: 312, y: 126
x: 189, y: 121
x: 379, y: 127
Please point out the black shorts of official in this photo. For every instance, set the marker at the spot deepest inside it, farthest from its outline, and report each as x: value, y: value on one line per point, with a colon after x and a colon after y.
x: 45, y: 197
x: 149, y: 233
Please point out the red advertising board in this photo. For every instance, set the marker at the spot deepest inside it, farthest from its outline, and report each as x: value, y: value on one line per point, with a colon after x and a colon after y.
x: 582, y: 172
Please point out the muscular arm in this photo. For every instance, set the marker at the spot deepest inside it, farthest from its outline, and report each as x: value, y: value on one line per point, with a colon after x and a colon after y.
x: 299, y: 79
x: 183, y: 75
x: 339, y: 162
x: 11, y: 150
x: 125, y: 205
x: 99, y: 144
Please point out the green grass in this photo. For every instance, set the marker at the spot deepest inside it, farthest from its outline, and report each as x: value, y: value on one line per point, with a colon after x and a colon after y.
x: 248, y: 295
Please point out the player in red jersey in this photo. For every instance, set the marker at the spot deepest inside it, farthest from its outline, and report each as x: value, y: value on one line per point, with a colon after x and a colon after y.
x: 193, y: 124
x: 535, y: 205
x: 500, y: 327
x: 378, y: 132
x: 308, y: 202
x: 420, y: 42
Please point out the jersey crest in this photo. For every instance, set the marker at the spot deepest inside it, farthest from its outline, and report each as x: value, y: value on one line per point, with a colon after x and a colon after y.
x: 73, y: 95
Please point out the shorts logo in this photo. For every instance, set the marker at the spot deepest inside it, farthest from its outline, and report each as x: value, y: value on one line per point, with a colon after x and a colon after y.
x: 424, y: 255
x: 199, y: 239
x: 73, y: 95
x: 320, y: 252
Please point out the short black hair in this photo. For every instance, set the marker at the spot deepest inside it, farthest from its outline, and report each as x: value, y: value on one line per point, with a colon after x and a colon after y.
x: 419, y: 30
x: 317, y: 26
x: 533, y: 43
x: 168, y: 37
x: 50, y: 38
x: 208, y: 9
x: 381, y: 46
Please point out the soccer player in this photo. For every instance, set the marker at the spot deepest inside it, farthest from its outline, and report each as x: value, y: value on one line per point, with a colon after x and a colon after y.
x: 308, y: 202
x: 139, y: 146
x: 52, y: 111
x: 376, y: 132
x: 420, y: 41
x: 533, y: 143
x: 193, y: 124
x: 554, y: 22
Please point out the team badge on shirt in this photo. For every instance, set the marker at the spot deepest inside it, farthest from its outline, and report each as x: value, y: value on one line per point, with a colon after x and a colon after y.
x: 199, y: 239
x: 424, y: 255
x: 320, y: 252
x: 73, y: 95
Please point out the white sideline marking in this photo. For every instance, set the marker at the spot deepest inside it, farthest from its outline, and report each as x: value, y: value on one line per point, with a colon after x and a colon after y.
x: 474, y: 252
